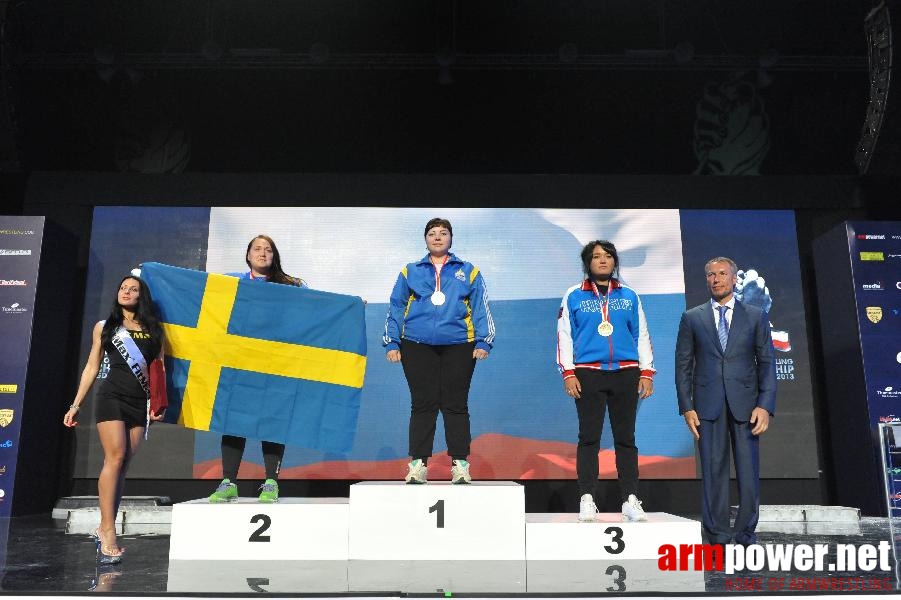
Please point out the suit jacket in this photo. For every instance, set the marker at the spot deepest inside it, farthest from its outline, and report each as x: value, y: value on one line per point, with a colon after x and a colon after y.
x: 744, y: 375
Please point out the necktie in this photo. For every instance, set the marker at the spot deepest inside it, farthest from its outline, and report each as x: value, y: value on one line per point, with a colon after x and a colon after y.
x: 722, y: 329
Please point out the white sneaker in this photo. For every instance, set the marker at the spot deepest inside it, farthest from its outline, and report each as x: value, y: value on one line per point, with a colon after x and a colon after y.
x: 417, y: 472
x: 588, y: 510
x: 632, y: 510
x: 460, y: 472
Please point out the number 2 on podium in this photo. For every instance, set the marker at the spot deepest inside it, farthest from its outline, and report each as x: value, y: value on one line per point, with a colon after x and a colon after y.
x: 257, y: 536
x: 438, y: 508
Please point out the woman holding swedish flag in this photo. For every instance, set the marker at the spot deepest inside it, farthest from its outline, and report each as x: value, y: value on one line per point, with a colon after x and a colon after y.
x: 438, y: 325
x: 265, y: 266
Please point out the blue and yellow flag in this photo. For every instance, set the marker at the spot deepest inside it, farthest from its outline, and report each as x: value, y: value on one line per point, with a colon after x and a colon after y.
x: 267, y: 362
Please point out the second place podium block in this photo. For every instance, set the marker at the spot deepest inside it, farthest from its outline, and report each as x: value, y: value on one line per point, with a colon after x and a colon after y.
x: 292, y: 529
x: 437, y: 521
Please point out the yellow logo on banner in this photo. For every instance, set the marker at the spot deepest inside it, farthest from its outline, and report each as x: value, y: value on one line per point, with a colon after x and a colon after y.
x: 6, y: 416
x: 874, y: 313
x: 8, y: 388
x: 872, y: 256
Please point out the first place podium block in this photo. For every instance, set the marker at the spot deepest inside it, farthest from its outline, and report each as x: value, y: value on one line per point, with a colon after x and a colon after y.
x: 292, y: 529
x: 437, y: 521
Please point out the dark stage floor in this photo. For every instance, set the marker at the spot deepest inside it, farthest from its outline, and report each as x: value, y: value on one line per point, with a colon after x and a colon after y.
x: 41, y: 558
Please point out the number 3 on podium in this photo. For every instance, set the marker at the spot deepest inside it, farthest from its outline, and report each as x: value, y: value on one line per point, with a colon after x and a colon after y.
x: 619, y: 544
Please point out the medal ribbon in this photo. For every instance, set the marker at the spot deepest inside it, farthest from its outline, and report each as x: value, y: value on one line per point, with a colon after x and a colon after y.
x: 438, y: 273
x: 604, y: 311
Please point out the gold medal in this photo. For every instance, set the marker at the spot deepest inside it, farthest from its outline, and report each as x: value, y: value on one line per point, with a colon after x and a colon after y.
x: 605, y: 328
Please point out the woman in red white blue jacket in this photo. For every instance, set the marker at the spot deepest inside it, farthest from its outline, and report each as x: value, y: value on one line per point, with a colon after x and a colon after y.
x: 438, y: 325
x: 604, y: 354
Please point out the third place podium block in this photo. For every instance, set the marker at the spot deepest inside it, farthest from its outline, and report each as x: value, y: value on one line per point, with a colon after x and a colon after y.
x: 292, y: 529
x: 560, y: 536
x: 437, y: 521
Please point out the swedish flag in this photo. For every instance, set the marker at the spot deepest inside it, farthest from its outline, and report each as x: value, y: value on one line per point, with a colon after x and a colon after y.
x: 268, y: 362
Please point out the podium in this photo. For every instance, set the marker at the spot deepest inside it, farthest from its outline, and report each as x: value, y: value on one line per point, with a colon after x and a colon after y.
x: 433, y: 538
x: 437, y: 521
x: 248, y: 577
x: 292, y: 529
x: 560, y: 536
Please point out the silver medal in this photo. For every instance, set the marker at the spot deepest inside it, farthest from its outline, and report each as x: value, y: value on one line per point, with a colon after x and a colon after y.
x: 438, y: 298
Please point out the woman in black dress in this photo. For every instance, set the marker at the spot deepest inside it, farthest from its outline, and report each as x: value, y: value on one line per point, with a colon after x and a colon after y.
x: 122, y: 404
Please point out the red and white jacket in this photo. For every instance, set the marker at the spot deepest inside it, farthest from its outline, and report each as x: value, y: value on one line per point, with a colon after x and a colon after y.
x: 580, y: 346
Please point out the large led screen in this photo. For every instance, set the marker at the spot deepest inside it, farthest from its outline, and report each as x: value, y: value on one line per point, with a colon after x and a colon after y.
x: 523, y: 425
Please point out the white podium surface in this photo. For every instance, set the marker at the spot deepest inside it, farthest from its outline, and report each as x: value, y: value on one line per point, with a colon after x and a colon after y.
x: 560, y: 536
x: 254, y: 576
x: 597, y: 577
x: 437, y: 576
x: 291, y: 529
x: 437, y: 521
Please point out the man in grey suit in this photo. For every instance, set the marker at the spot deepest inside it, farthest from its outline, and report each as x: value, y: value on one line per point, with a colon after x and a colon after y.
x: 726, y: 386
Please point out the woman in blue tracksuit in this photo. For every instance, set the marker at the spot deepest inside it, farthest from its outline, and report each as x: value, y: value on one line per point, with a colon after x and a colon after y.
x: 438, y: 325
x: 604, y: 354
x: 265, y: 266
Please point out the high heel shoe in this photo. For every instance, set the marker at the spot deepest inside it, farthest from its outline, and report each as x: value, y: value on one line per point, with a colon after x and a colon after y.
x: 107, y: 555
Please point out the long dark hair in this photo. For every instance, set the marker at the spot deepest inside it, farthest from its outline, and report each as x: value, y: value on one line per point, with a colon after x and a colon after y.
x: 145, y: 311
x: 276, y: 273
x: 608, y: 247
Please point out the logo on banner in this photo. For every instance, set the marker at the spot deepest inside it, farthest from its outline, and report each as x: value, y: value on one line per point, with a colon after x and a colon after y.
x: 8, y: 388
x: 6, y: 444
x: 12, y: 252
x: 751, y: 289
x: 12, y: 282
x: 876, y: 286
x: 893, y: 256
x: 6, y: 416
x: 872, y: 256
x: 874, y: 313
x: 869, y: 236
x: 16, y: 231
x: 888, y: 392
x: 2, y: 469
x: 13, y: 309
x: 889, y: 419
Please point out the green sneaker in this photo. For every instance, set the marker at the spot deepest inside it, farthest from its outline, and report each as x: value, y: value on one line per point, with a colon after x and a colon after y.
x: 226, y: 492
x: 269, y: 495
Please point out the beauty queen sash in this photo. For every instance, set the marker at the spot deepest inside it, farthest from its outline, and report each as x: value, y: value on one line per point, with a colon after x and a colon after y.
x: 131, y: 354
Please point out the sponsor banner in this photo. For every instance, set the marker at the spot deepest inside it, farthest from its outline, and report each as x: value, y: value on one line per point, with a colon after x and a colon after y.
x: 878, y: 299
x: 20, y: 253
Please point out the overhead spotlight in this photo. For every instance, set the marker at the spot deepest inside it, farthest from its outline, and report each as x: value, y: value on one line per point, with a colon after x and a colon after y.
x: 568, y: 52
x: 212, y: 50
x: 768, y: 58
x: 319, y: 53
x: 684, y: 52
